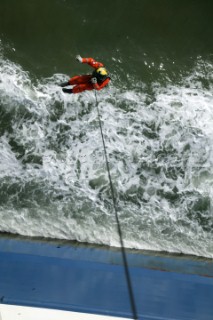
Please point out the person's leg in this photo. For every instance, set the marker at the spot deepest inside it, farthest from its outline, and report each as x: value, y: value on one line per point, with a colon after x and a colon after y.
x: 80, y: 79
x: 82, y: 87
x: 79, y: 88
x: 80, y: 83
x: 76, y: 80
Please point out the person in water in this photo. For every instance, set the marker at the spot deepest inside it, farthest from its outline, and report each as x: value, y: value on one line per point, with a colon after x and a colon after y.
x: 97, y: 80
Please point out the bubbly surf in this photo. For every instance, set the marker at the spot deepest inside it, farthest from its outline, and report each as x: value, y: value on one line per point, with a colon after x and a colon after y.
x: 53, y: 176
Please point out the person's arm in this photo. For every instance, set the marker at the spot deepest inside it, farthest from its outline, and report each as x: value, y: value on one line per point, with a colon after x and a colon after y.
x: 97, y: 86
x: 90, y: 61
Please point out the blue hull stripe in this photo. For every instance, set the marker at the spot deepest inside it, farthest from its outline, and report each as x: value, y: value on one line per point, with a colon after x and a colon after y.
x: 91, y: 280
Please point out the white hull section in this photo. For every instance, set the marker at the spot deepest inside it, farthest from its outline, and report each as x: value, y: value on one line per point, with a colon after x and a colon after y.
x: 11, y: 312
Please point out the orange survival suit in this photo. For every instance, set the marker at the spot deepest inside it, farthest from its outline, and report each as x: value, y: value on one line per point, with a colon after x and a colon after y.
x: 97, y: 80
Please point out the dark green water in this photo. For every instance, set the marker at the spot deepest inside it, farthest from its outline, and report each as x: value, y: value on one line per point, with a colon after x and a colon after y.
x: 48, y: 34
x: 157, y: 117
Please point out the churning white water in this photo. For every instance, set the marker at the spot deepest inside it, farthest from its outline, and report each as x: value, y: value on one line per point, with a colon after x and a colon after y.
x: 53, y: 179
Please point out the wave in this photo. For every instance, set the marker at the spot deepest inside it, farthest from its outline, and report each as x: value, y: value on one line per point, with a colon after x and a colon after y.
x: 159, y: 141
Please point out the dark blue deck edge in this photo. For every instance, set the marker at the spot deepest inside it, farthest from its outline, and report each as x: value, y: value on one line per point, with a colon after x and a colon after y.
x: 91, y: 279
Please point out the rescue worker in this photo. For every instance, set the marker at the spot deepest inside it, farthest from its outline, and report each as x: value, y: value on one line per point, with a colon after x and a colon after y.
x: 97, y: 80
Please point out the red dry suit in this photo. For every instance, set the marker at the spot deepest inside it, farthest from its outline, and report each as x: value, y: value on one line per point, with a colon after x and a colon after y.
x: 82, y: 83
